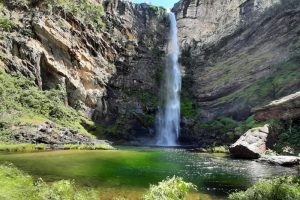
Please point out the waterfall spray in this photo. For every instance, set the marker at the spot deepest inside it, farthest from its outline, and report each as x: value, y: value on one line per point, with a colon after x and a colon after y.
x: 168, y: 118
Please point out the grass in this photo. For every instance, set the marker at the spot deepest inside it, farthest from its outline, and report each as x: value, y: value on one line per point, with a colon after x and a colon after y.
x: 23, y: 102
x: 22, y: 147
x: 88, y: 147
x: 16, y: 185
x: 285, y: 188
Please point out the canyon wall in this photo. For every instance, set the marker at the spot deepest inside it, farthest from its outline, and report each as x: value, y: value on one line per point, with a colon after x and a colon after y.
x: 236, y: 55
x: 109, y: 75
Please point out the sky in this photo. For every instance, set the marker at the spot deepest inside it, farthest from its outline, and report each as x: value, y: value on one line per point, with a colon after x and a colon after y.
x: 163, y: 3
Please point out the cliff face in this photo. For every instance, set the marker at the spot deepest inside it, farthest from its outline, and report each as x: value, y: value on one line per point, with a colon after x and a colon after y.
x: 235, y: 61
x: 236, y: 55
x: 100, y: 71
x: 207, y: 21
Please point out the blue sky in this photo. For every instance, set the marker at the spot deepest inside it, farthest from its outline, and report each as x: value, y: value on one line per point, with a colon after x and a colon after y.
x: 164, y: 3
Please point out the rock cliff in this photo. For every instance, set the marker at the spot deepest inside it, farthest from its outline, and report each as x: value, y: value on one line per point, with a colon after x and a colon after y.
x: 236, y: 55
x: 106, y: 73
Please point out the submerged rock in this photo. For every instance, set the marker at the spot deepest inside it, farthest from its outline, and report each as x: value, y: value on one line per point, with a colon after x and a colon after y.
x: 280, y: 160
x: 251, y: 144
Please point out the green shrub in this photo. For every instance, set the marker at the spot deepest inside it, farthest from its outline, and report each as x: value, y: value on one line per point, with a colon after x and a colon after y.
x: 286, y: 188
x: 6, y: 24
x: 287, y: 134
x: 20, y: 97
x: 188, y: 109
x: 170, y: 189
x: 16, y: 185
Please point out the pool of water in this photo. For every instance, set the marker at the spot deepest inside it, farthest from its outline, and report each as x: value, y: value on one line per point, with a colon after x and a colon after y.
x: 128, y: 172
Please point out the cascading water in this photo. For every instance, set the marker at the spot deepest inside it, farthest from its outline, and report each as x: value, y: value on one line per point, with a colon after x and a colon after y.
x: 168, y: 118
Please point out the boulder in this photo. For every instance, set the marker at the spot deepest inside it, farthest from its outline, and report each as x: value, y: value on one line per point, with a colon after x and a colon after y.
x: 251, y: 144
x: 280, y: 160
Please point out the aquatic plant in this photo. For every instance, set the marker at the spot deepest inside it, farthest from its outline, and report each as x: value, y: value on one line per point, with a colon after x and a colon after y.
x: 283, y: 188
x: 170, y: 189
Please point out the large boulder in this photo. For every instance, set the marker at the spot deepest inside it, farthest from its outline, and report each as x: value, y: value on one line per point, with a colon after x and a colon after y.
x: 251, y: 144
x: 285, y: 108
x: 280, y: 160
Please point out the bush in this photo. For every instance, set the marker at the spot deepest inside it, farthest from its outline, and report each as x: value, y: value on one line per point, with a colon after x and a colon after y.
x: 20, y: 97
x: 16, y: 185
x: 6, y: 24
x: 286, y: 188
x: 170, y: 189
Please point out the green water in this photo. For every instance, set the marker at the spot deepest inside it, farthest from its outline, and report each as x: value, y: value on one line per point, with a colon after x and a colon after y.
x: 129, y: 171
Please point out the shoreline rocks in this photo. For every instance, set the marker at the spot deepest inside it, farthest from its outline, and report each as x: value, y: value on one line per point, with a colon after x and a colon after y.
x: 280, y: 160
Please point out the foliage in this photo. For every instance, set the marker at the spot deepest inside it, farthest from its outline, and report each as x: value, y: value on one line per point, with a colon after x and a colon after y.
x: 6, y: 24
x: 16, y: 185
x: 22, y: 147
x: 170, y: 189
x: 88, y: 147
x: 20, y: 98
x: 286, y: 188
x: 287, y: 134
x: 188, y: 108
x: 86, y: 11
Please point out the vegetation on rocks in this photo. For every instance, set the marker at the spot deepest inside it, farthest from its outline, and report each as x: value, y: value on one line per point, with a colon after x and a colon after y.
x: 285, y: 188
x: 23, y: 102
x: 88, y: 12
x: 16, y: 185
x: 287, y: 134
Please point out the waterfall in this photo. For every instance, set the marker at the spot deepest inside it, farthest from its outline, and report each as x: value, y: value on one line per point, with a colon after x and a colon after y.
x: 168, y: 118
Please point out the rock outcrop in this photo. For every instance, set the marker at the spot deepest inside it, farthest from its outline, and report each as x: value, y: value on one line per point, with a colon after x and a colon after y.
x: 252, y: 144
x: 283, y: 109
x: 280, y: 160
x: 50, y: 133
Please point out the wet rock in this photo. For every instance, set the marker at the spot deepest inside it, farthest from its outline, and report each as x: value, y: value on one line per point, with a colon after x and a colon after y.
x: 251, y: 144
x: 280, y: 160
